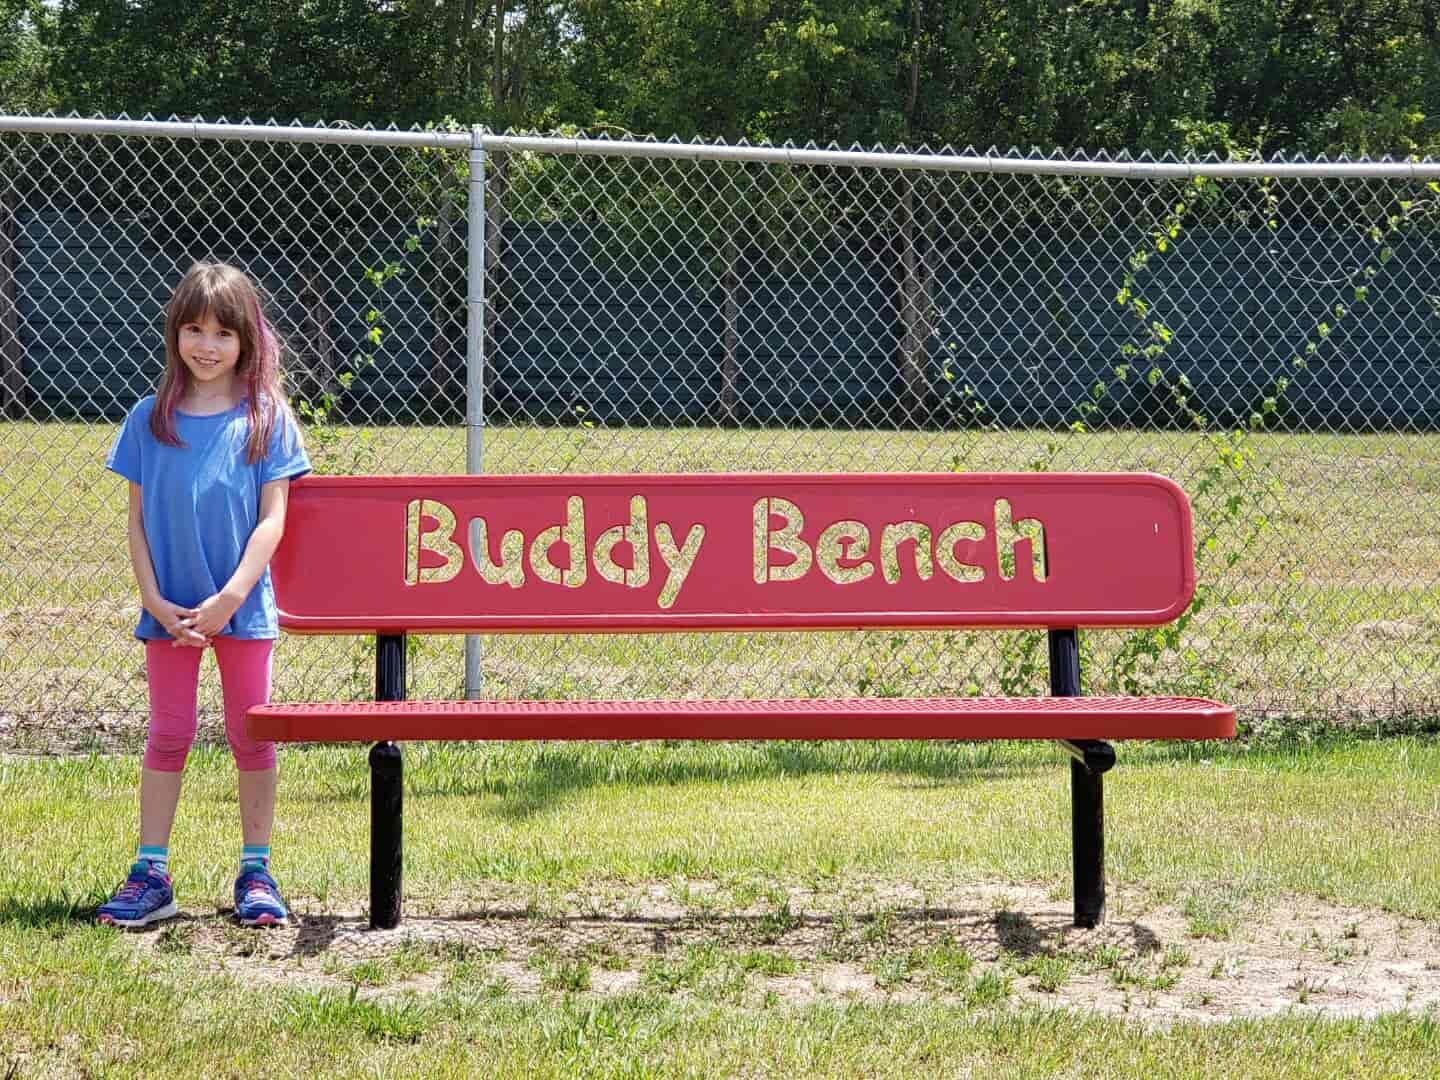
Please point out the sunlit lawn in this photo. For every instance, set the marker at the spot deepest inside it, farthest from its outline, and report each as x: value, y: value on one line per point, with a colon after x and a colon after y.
x: 1354, y: 822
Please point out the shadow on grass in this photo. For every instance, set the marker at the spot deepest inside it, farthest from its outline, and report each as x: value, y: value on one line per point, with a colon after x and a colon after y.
x: 547, y: 776
x: 527, y: 779
x: 841, y: 937
x: 47, y: 912
x: 64, y: 912
x: 552, y: 779
x: 316, y: 934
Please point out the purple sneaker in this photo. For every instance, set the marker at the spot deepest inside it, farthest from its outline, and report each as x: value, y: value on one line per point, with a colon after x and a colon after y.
x: 257, y: 899
x: 146, y: 897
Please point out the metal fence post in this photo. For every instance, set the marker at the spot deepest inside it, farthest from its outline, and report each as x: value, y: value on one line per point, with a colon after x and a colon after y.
x: 475, y: 357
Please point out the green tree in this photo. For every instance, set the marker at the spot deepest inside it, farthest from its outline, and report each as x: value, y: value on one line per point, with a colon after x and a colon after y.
x: 355, y: 60
x: 1357, y: 76
x: 24, y: 67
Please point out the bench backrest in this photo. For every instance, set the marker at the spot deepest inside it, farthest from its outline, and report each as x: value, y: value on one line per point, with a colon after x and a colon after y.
x: 393, y: 554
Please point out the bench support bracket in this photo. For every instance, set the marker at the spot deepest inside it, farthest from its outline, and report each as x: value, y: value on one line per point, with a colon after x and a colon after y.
x: 1092, y: 758
x: 387, y: 793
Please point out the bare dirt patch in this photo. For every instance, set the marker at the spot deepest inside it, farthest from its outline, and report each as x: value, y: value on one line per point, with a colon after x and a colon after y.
x: 1158, y: 962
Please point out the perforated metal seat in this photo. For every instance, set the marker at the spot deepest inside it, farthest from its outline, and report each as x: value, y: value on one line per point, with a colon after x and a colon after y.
x: 825, y: 718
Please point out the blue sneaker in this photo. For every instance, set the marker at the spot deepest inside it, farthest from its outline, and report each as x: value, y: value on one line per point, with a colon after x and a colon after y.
x: 257, y: 899
x: 146, y: 897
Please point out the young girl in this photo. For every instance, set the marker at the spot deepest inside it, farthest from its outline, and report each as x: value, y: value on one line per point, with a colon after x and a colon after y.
x: 209, y: 458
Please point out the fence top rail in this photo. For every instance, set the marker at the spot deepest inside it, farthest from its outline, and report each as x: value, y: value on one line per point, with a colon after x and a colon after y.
x: 245, y: 132
x: 967, y: 163
x: 481, y: 139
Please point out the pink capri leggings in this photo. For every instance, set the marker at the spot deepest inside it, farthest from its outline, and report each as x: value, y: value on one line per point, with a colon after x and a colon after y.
x: 174, y: 675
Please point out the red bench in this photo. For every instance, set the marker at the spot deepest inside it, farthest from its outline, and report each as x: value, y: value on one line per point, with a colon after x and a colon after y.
x: 553, y: 554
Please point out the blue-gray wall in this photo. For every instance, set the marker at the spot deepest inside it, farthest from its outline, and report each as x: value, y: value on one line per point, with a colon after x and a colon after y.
x: 1025, y: 331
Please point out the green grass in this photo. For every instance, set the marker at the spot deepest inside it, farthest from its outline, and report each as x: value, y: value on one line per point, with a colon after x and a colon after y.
x: 1215, y: 830
x: 1254, y: 823
x: 144, y: 1016
x: 1332, y: 610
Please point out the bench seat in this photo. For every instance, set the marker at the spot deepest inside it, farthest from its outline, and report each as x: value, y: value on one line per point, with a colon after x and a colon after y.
x: 791, y: 718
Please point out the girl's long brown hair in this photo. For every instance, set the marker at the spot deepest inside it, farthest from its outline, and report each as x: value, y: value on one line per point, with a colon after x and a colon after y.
x: 228, y: 294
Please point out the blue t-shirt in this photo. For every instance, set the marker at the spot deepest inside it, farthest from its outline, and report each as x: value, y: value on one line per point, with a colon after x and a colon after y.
x: 201, y: 502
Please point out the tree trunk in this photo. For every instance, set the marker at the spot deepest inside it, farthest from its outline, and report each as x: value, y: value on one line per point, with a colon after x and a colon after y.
x: 497, y: 186
x: 730, y: 284
x: 497, y: 183
x: 319, y: 372
x: 12, y: 355
x: 913, y: 308
x: 467, y: 28
x: 912, y: 295
x: 446, y: 373
x: 498, y: 93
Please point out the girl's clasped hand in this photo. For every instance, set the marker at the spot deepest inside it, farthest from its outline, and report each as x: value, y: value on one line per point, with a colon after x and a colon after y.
x: 197, y: 626
x: 179, y: 623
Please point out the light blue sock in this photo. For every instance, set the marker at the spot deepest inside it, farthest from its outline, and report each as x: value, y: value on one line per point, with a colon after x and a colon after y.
x: 157, y: 855
x: 254, y: 857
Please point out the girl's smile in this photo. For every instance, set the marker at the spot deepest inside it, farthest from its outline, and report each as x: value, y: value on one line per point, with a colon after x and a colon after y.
x: 211, y: 352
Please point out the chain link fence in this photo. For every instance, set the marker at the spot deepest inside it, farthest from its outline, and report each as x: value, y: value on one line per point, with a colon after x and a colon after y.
x: 1264, y: 333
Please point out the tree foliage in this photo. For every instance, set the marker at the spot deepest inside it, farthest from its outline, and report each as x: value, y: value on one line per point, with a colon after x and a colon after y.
x: 1280, y: 75
x: 23, y: 60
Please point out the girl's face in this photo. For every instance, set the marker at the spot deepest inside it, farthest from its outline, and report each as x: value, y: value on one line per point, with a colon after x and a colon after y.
x: 210, y: 352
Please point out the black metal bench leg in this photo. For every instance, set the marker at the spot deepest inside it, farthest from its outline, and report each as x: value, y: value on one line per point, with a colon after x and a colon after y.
x: 1087, y: 827
x: 387, y: 796
x: 387, y: 793
x: 1092, y: 760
